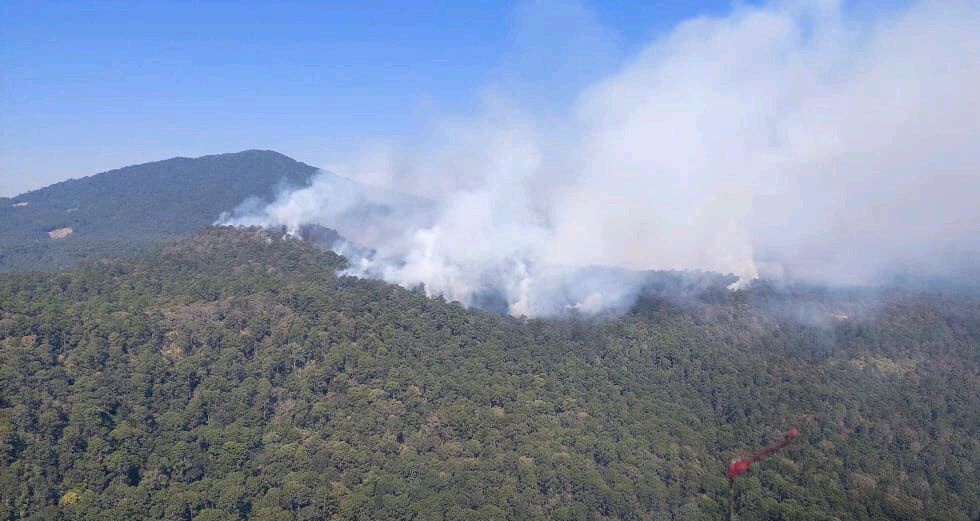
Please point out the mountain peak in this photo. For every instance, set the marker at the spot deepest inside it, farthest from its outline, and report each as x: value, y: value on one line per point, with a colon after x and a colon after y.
x: 113, y: 212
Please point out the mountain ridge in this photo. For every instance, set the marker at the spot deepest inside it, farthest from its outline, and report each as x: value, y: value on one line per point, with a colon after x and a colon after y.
x: 253, y: 152
x: 127, y: 210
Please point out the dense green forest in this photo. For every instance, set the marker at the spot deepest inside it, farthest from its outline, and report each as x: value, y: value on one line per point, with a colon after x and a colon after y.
x: 130, y: 210
x: 233, y: 375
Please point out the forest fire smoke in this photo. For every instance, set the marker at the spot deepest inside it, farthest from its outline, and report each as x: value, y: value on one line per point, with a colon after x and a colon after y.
x: 799, y: 141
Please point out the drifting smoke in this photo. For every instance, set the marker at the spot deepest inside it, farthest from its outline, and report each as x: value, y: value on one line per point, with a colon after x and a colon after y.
x: 794, y: 141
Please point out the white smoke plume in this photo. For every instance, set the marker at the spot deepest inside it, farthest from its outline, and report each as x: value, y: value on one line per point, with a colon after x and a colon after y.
x: 796, y: 140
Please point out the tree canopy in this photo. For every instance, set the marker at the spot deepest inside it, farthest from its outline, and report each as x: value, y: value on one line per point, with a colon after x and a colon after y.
x: 234, y: 375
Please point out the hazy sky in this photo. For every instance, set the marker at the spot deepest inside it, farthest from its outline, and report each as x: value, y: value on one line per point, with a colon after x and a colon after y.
x: 87, y: 87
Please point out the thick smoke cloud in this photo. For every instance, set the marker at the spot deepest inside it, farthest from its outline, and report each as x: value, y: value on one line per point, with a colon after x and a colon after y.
x: 794, y: 141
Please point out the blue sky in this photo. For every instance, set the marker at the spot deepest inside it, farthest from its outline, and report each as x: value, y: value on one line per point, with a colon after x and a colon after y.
x: 86, y: 87
x: 90, y: 86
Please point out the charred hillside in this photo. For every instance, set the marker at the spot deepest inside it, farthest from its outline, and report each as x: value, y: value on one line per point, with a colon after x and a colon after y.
x: 233, y: 375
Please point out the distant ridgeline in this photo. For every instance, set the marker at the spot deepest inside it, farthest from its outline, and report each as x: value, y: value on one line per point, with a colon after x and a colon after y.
x: 123, y: 212
x: 233, y: 375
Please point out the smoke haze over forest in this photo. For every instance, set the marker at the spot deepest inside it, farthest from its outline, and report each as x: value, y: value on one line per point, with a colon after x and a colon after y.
x: 796, y: 141
x: 527, y: 259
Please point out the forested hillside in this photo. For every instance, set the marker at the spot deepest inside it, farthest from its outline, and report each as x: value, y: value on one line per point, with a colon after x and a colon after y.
x: 232, y: 375
x: 132, y: 209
